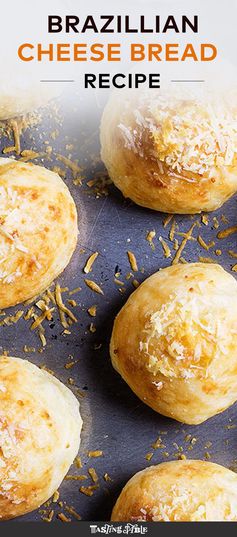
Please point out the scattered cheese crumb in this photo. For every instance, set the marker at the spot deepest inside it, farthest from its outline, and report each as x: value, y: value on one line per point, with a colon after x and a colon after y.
x: 94, y: 286
x: 227, y: 232
x: 88, y: 491
x: 89, y: 263
x: 205, y: 219
x: 165, y: 247
x: 92, y: 310
x: 63, y: 517
x: 183, y: 244
x: 204, y: 244
x: 96, y: 453
x: 92, y: 473
x: 167, y: 220
x: 149, y: 456
x: 150, y: 236
x: 132, y: 261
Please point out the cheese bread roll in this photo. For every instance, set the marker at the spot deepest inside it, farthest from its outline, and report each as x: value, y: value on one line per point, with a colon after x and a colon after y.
x: 20, y: 97
x: 170, y: 153
x: 38, y: 230
x: 179, y: 491
x: 175, y: 341
x: 40, y: 428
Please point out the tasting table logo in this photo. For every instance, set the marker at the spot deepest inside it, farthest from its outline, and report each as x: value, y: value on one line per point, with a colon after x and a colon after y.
x: 125, y: 529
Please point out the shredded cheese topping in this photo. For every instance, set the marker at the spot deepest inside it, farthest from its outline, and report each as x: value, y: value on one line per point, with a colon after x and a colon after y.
x: 182, y: 503
x: 188, y: 333
x: 13, y: 225
x: 190, y: 135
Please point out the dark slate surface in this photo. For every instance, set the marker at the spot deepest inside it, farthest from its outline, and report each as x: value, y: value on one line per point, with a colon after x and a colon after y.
x: 115, y: 421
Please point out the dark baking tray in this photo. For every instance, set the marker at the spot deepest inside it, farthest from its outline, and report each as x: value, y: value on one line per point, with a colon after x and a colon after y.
x: 115, y: 420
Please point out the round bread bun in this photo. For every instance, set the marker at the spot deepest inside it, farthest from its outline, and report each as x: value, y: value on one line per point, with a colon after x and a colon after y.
x: 25, y: 85
x: 38, y: 230
x: 20, y: 98
x: 40, y: 427
x: 175, y: 341
x: 179, y: 491
x: 170, y: 153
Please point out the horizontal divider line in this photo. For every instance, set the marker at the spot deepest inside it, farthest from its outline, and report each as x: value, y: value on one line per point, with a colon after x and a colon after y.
x: 188, y: 80
x: 57, y: 80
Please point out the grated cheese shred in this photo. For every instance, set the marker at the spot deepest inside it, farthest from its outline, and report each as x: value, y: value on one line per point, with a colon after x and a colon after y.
x: 182, y: 245
x: 184, y: 337
x: 191, y: 135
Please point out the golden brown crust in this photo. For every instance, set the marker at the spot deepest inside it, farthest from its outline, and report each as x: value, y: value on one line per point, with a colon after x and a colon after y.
x: 40, y: 429
x: 142, y: 164
x: 174, y: 342
x: 179, y: 491
x: 38, y: 230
